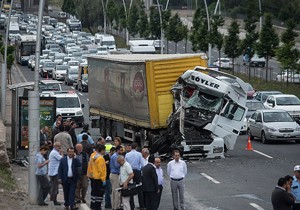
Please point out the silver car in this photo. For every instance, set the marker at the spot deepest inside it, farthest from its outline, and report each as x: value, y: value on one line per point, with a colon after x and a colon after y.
x: 273, y: 124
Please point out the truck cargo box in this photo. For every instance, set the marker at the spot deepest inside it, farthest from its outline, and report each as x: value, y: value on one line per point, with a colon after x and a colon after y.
x: 135, y: 89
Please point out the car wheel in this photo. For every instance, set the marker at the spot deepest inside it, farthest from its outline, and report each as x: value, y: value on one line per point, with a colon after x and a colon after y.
x: 263, y: 138
x: 249, y: 134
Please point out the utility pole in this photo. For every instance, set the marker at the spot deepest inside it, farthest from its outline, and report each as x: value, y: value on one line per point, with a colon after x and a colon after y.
x: 260, y: 16
x: 104, y: 16
x: 4, y: 67
x: 161, y: 28
x: 34, y: 114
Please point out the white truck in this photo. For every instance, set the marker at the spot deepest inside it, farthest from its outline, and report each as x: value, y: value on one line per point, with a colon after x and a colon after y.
x: 109, y: 42
x: 14, y: 29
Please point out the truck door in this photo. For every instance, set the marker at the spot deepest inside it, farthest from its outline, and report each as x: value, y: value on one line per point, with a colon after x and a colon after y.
x: 228, y: 124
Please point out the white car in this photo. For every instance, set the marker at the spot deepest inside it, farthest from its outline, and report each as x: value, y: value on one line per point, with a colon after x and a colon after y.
x: 287, y: 102
x: 289, y: 75
x: 223, y: 63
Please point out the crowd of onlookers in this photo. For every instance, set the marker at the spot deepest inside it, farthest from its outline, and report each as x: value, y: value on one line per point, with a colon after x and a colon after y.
x: 115, y: 173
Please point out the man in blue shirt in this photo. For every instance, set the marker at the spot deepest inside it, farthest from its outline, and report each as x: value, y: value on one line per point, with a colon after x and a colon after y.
x: 41, y: 174
x: 79, y: 138
x: 295, y: 188
x: 135, y: 159
x: 114, y: 178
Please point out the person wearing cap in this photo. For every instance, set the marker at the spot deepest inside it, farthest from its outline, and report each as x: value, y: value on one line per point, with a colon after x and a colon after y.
x: 108, y: 144
x: 295, y: 188
x: 281, y: 198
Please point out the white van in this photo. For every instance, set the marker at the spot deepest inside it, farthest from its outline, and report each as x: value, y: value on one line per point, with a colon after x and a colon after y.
x: 142, y: 49
x: 109, y: 42
x: 69, y: 106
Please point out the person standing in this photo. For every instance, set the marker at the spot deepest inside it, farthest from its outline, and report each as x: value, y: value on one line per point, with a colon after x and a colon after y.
x: 97, y: 175
x: 295, y: 188
x: 68, y: 174
x: 281, y: 198
x: 54, y: 160
x: 135, y: 159
x: 44, y: 136
x: 108, y: 184
x: 82, y: 183
x: 177, y: 171
x: 145, y: 155
x: 108, y: 144
x: 126, y: 176
x: 85, y: 131
x: 55, y: 130
x: 87, y: 147
x: 64, y: 138
x: 114, y: 178
x: 41, y: 174
x: 160, y: 179
x: 150, y: 184
x: 72, y: 133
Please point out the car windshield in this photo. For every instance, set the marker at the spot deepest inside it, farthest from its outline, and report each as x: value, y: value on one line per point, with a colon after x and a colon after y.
x: 60, y: 68
x: 205, y: 101
x: 287, y: 101
x: 49, y: 87
x: 73, y: 71
x: 277, y: 117
x: 74, y: 63
x: 253, y: 106
x: 67, y: 102
x: 250, y: 88
x: 108, y: 43
x: 49, y: 65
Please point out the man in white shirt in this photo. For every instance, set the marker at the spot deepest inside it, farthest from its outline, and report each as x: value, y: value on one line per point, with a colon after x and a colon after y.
x: 145, y: 154
x: 177, y: 171
x: 126, y: 175
x: 160, y: 178
x: 54, y: 158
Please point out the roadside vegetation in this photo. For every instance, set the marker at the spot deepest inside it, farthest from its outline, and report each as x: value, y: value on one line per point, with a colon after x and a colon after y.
x: 7, y: 181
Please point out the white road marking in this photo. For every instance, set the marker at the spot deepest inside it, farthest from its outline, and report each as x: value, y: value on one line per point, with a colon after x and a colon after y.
x: 254, y: 205
x: 80, y: 94
x: 210, y: 178
x: 73, y: 88
x: 262, y: 154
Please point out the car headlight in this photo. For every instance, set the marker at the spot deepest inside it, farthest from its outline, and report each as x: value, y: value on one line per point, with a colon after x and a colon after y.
x: 270, y: 129
x: 298, y: 128
x: 79, y: 113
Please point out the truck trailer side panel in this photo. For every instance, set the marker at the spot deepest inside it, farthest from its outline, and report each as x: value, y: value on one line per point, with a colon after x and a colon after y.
x: 118, y: 91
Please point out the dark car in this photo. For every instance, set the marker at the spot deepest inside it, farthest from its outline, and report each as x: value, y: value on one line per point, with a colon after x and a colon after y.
x: 250, y: 91
x: 71, y: 76
x: 47, y: 69
x: 263, y: 95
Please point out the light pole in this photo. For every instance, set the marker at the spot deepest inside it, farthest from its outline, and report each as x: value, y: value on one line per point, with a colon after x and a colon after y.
x: 34, y: 113
x: 208, y: 28
x: 126, y: 16
x: 4, y: 67
x: 161, y: 29
x: 260, y: 16
x: 104, y: 17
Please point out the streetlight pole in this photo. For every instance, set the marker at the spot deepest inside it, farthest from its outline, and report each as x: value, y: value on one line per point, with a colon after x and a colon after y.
x: 126, y: 16
x: 161, y: 29
x: 34, y: 113
x: 208, y: 28
x: 4, y: 67
x: 104, y: 15
x: 260, y: 16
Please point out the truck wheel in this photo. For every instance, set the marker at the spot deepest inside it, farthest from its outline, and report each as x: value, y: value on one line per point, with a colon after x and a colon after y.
x: 102, y: 127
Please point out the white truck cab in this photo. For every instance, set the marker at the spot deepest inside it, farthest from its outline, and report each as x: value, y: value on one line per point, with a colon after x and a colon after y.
x: 69, y: 106
x: 109, y: 42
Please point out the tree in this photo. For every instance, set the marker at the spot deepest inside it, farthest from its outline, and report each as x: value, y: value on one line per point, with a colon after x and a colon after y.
x: 143, y: 24
x: 111, y: 9
x: 133, y: 18
x: 69, y: 7
x: 216, y: 38
x: 232, y: 42
x: 199, y: 36
x: 287, y: 54
x: 176, y: 30
x: 154, y: 23
x: 268, y: 42
x: 166, y: 15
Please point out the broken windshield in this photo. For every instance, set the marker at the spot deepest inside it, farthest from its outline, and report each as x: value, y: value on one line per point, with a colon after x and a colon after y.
x: 205, y: 101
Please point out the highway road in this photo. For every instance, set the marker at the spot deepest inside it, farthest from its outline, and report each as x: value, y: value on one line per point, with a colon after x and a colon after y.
x: 242, y: 180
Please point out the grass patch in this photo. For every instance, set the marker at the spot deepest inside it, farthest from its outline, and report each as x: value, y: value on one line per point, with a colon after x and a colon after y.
x: 57, y: 3
x: 7, y: 181
x: 260, y: 84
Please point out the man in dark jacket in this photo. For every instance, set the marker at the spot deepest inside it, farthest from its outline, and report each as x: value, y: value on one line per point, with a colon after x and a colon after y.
x: 68, y: 173
x: 82, y: 183
x: 281, y: 198
x: 150, y: 184
x: 72, y: 133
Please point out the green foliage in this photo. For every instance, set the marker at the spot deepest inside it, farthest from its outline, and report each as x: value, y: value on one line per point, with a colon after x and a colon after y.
x: 176, y: 31
x: 154, y: 23
x: 289, y: 35
x: 7, y: 181
x: 10, y: 50
x: 69, y: 6
x: 10, y: 60
x: 143, y: 24
x: 199, y: 36
x: 232, y: 41
x: 166, y: 15
x: 216, y: 38
x: 133, y: 20
x: 2, y: 51
x: 111, y: 11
